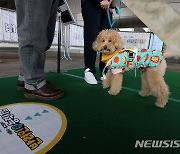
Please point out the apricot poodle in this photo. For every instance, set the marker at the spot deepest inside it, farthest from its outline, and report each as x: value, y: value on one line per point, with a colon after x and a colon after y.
x: 119, y: 60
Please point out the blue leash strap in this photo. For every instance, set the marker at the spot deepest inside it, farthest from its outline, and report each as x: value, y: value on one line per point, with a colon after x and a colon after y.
x: 118, y: 11
x: 111, y: 23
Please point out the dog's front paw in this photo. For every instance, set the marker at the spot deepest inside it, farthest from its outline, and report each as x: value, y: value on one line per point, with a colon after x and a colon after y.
x: 161, y: 102
x: 113, y: 92
x: 144, y: 93
x: 106, y: 84
x: 160, y: 105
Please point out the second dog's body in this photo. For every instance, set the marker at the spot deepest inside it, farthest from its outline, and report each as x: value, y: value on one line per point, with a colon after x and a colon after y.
x: 109, y: 41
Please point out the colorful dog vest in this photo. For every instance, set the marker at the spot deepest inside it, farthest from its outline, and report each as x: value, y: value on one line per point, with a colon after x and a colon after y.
x: 129, y: 59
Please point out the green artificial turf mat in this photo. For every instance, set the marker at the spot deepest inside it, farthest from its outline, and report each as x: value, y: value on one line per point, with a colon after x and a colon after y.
x: 98, y: 123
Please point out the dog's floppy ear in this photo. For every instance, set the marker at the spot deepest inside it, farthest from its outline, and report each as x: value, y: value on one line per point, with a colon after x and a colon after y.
x: 95, y: 45
x: 119, y: 43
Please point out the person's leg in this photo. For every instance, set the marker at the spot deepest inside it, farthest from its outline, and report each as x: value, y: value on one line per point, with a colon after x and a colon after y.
x: 101, y: 66
x: 32, y: 21
x: 91, y: 13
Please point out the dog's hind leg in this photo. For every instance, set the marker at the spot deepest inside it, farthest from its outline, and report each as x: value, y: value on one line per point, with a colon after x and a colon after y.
x: 116, y: 84
x: 145, y: 91
x: 107, y: 82
x: 157, y: 84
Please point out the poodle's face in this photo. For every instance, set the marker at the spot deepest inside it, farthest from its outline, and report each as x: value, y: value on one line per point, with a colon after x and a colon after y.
x: 107, y: 42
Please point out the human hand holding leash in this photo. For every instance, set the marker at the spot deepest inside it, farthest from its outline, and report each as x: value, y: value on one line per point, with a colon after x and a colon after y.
x: 105, y: 4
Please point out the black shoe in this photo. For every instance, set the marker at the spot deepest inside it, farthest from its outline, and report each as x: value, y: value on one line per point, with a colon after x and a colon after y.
x: 47, y: 92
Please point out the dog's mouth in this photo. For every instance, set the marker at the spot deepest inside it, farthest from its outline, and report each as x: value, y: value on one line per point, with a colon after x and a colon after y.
x: 106, y: 51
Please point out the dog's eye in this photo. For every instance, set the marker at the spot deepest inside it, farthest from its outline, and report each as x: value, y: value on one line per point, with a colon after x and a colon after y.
x: 110, y: 41
x: 103, y: 40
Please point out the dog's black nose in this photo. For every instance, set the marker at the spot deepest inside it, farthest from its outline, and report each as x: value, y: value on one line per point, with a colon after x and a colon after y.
x: 105, y: 47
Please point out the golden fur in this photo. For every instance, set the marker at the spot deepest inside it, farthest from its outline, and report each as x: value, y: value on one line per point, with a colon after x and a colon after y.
x: 152, y: 78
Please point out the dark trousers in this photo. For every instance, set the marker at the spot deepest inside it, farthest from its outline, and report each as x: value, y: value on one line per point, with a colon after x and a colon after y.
x: 95, y: 20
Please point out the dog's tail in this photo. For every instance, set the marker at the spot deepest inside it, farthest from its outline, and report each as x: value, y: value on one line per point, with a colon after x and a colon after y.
x: 168, y: 53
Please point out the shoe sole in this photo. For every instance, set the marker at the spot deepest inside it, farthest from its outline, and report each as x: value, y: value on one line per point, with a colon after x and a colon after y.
x: 20, y: 88
x: 90, y: 82
x: 34, y: 96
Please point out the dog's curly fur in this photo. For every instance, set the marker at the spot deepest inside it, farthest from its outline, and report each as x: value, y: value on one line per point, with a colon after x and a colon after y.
x: 152, y: 78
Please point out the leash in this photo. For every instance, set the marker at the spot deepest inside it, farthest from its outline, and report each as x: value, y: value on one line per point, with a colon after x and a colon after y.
x: 118, y: 11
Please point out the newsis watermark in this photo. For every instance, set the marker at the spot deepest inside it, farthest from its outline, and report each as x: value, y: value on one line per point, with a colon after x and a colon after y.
x: 157, y: 144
